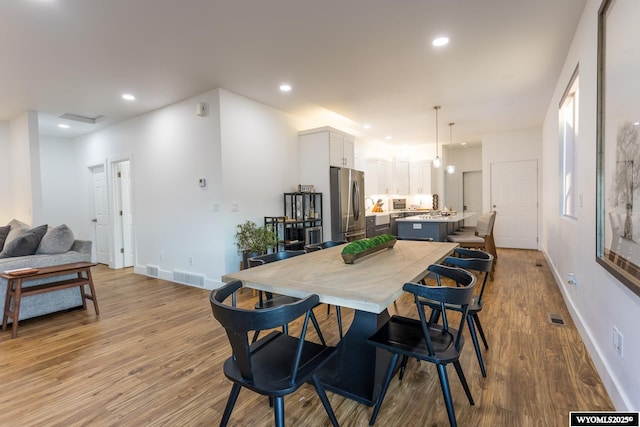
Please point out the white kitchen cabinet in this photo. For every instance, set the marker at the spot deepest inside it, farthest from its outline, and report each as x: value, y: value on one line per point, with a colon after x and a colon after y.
x: 319, y: 149
x: 401, y: 177
x: 378, y: 177
x: 420, y: 177
x: 341, y: 149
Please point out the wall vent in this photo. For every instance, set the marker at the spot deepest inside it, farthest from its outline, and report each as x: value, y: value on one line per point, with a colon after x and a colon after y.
x: 79, y: 118
x: 188, y: 278
x: 152, y: 270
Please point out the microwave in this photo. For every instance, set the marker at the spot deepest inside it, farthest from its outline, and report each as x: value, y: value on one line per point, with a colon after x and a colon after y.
x: 312, y: 235
x: 399, y: 204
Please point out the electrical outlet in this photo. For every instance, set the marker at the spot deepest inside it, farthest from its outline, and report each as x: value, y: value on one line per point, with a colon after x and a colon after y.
x: 618, y: 341
x: 572, y: 280
x: 234, y: 207
x: 190, y: 260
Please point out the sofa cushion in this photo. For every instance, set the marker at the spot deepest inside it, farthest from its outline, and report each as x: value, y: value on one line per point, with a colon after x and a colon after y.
x: 57, y: 240
x: 17, y: 228
x: 25, y: 243
x: 4, y: 232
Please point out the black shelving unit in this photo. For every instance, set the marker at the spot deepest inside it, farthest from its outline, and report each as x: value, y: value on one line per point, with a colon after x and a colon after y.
x: 301, y: 223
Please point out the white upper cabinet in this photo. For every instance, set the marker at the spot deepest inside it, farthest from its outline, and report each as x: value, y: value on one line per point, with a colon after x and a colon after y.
x: 377, y: 177
x: 341, y: 149
x: 420, y: 177
x: 401, y: 177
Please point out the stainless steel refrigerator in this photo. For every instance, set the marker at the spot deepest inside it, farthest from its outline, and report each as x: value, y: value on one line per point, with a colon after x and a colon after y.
x: 347, y: 204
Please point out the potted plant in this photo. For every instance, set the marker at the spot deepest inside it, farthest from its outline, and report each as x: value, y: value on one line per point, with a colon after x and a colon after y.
x: 361, y: 248
x: 253, y: 240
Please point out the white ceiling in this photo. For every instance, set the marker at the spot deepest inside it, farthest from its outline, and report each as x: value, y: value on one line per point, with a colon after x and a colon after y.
x: 368, y: 60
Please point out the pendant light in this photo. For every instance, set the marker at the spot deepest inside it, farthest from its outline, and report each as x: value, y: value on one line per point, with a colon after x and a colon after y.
x: 437, y: 162
x: 451, y: 168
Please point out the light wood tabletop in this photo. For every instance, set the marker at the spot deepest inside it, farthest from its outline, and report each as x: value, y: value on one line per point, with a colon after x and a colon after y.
x: 371, y: 284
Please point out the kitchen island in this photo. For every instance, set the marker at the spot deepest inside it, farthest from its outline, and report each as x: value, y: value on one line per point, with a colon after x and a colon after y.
x: 436, y: 227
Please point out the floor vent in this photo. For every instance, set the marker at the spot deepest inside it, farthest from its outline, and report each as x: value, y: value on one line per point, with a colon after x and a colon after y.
x: 538, y: 264
x: 556, y: 319
x: 152, y: 270
x: 188, y: 278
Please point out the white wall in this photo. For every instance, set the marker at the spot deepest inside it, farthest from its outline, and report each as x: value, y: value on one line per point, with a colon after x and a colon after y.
x: 24, y: 180
x: 599, y: 301
x: 465, y: 160
x: 246, y: 151
x: 61, y: 183
x: 260, y: 163
x: 174, y: 219
x: 6, y: 209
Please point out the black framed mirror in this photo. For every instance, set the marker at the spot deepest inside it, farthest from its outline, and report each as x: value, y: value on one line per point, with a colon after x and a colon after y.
x: 618, y: 141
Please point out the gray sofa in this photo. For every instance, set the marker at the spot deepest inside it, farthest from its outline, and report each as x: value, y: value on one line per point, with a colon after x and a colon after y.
x: 50, y: 302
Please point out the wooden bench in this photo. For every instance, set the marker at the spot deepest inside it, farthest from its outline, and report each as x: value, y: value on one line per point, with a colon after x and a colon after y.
x: 17, y: 290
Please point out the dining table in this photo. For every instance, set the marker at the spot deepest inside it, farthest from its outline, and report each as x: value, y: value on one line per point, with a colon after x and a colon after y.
x: 368, y: 286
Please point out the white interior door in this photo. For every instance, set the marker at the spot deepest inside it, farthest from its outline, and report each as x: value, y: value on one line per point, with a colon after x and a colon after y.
x: 472, y: 195
x: 124, y: 214
x: 100, y: 213
x: 514, y: 197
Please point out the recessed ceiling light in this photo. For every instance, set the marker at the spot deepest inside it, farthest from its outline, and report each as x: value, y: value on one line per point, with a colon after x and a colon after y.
x: 440, y: 41
x: 367, y: 126
x: 636, y: 123
x: 128, y: 97
x: 389, y: 137
x: 285, y: 87
x: 63, y: 126
x: 463, y: 144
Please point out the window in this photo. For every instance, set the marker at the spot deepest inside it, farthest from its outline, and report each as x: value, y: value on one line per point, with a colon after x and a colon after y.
x: 568, y: 118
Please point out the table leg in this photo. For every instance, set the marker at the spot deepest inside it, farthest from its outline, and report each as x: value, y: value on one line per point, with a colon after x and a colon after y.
x: 7, y: 301
x: 357, y: 370
x: 15, y: 287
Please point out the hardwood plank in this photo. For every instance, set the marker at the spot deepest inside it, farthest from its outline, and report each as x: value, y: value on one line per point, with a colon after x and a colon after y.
x: 154, y: 357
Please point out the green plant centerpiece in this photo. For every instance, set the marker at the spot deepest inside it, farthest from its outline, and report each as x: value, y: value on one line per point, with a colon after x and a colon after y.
x: 361, y: 248
x: 254, y: 240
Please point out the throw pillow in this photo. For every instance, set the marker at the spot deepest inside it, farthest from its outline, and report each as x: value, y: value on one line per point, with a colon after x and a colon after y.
x: 17, y: 228
x: 58, y: 240
x: 25, y: 243
x: 4, y: 232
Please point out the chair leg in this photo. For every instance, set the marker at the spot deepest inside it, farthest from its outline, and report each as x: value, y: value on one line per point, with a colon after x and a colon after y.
x: 339, y: 314
x: 317, y: 326
x: 231, y: 401
x: 325, y: 401
x: 278, y: 410
x: 463, y: 380
x: 435, y: 316
x: 446, y: 393
x: 476, y: 318
x: 476, y: 345
x: 385, y: 386
x: 403, y: 366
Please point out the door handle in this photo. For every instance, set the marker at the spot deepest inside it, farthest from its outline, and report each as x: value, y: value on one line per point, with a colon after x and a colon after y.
x: 94, y: 220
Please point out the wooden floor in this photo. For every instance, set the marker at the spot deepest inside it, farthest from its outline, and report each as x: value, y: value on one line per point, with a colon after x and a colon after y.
x: 154, y: 357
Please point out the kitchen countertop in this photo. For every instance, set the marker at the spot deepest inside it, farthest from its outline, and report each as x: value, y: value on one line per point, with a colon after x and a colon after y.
x: 416, y: 211
x: 428, y: 218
